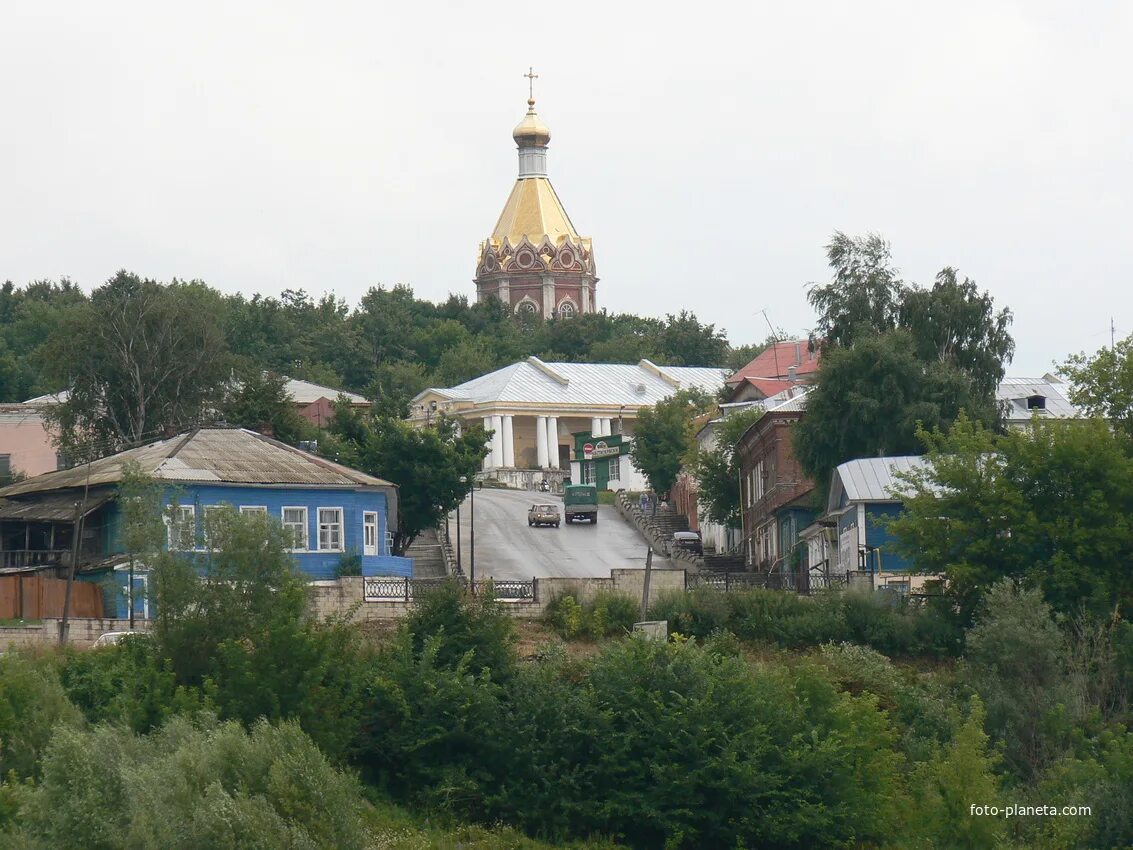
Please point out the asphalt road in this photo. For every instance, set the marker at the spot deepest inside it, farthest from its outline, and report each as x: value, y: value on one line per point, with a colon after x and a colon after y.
x: 506, y: 548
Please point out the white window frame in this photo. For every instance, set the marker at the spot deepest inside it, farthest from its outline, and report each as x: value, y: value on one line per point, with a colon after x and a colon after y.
x: 306, y: 540
x: 341, y: 529
x: 614, y: 466
x: 176, y: 527
x: 369, y: 532
x: 205, y: 543
x: 253, y: 510
x: 588, y: 473
x: 757, y: 477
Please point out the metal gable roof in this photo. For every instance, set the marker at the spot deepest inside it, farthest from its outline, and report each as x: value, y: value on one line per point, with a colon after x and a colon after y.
x: 871, y: 479
x: 532, y: 381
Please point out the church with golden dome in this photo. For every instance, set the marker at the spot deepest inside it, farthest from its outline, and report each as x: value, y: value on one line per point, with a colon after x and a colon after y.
x: 535, y: 261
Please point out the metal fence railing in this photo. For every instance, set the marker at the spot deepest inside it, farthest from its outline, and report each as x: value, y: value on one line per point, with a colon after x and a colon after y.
x: 394, y: 589
x: 730, y: 581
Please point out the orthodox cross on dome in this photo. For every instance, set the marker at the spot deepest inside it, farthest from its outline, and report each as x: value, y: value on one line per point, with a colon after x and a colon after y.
x: 531, y: 78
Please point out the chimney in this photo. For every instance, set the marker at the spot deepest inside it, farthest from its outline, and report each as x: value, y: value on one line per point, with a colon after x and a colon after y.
x: 266, y: 429
x: 798, y: 353
x: 791, y: 372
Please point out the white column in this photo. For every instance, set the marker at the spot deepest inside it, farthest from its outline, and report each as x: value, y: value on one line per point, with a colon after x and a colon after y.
x: 607, y: 428
x: 488, y: 456
x: 509, y: 443
x: 541, y: 441
x: 595, y: 427
x: 497, y: 441
x: 548, y: 297
x: 553, y: 442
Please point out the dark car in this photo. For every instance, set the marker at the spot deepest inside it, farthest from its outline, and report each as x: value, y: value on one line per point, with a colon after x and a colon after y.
x: 689, y: 541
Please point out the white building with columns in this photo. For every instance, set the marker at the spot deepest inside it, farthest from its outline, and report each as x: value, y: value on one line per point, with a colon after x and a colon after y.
x: 535, y: 410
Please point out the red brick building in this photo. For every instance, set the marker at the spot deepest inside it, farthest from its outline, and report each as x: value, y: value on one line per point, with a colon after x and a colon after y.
x: 775, y: 494
x: 535, y: 261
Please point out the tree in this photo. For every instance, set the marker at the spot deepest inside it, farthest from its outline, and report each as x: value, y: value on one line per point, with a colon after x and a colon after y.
x: 953, y: 323
x: 717, y: 469
x: 427, y: 464
x: 139, y: 359
x: 1102, y: 384
x: 662, y: 437
x: 684, y: 341
x: 864, y: 296
x: 255, y: 399
x: 1051, y: 505
x: 894, y: 356
x: 870, y: 399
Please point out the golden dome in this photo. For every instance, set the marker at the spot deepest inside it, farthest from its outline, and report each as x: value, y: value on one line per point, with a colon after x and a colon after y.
x: 531, y: 132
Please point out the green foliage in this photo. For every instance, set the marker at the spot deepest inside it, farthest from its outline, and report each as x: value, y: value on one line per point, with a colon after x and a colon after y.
x: 1015, y: 660
x: 871, y: 398
x: 605, y: 614
x: 190, y: 785
x: 350, y: 564
x: 717, y: 469
x: 887, y: 624
x: 1052, y: 504
x: 427, y: 464
x: 139, y: 357
x: 895, y: 357
x: 463, y: 629
x: 1102, y: 383
x: 945, y: 787
x: 256, y: 400
x: 32, y: 704
x: 128, y: 683
x: 663, y: 437
x: 239, y: 631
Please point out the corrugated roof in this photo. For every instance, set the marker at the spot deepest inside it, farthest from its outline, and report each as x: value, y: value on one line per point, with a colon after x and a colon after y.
x: 60, y: 507
x: 221, y: 455
x: 871, y: 479
x: 774, y: 361
x: 302, y: 392
x: 306, y: 392
x: 1013, y: 395
x: 636, y: 385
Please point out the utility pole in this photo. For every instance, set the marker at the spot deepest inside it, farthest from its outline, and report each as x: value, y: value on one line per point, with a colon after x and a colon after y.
x: 645, y: 584
x: 76, y: 546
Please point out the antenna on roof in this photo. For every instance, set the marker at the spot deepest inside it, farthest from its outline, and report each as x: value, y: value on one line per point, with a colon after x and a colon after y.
x: 774, y: 342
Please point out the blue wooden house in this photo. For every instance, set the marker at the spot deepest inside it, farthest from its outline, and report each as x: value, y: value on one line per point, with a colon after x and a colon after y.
x: 336, y: 515
x: 862, y: 493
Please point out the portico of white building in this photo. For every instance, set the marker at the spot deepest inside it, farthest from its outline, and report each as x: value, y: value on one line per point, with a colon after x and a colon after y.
x: 533, y: 410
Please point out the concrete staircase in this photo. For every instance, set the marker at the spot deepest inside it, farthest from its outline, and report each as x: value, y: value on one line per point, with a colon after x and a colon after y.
x: 428, y: 559
x: 724, y: 563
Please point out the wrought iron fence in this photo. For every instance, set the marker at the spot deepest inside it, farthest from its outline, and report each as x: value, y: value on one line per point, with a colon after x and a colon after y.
x: 729, y: 581
x: 393, y: 589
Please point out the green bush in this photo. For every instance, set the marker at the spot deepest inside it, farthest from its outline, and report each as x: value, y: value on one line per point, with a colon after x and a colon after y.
x: 126, y: 683
x: 32, y: 703
x: 886, y: 623
x: 463, y: 625
x: 605, y: 615
x: 191, y: 785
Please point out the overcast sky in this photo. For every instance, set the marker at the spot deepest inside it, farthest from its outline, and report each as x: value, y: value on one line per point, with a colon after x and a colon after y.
x: 709, y: 149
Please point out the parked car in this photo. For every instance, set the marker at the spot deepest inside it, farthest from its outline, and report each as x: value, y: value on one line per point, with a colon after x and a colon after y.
x: 544, y: 515
x: 689, y: 541
x: 114, y: 638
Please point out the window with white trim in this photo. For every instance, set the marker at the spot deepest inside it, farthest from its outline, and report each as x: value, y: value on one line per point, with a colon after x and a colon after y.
x: 566, y: 310
x: 254, y: 510
x: 183, y: 528
x: 330, y: 529
x: 208, y: 519
x: 615, y: 468
x: 588, y: 476
x: 295, y: 524
x: 758, y: 480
